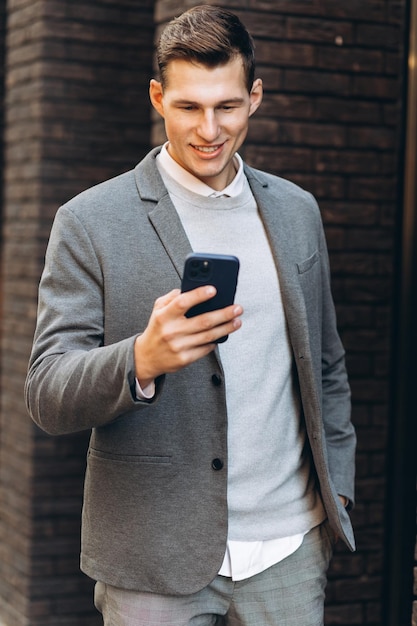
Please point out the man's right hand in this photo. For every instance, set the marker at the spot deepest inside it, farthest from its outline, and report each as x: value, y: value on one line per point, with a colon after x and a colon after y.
x: 172, y: 341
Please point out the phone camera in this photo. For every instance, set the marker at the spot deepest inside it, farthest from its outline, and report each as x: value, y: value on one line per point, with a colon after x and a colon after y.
x: 199, y: 269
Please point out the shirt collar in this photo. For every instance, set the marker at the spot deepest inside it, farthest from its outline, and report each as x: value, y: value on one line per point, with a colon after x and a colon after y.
x: 194, y: 184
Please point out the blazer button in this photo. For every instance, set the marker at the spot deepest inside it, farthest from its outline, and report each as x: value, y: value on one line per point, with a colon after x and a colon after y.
x: 217, y: 464
x: 216, y: 380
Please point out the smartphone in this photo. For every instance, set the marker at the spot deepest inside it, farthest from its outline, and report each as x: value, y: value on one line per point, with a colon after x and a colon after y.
x: 220, y: 270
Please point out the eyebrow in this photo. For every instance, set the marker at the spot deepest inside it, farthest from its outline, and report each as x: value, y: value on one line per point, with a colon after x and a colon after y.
x: 223, y: 102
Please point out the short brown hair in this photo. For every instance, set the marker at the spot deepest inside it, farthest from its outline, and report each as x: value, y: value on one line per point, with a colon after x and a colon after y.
x: 208, y: 35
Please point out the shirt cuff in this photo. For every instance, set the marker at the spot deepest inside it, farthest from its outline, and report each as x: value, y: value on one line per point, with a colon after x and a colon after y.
x: 147, y: 393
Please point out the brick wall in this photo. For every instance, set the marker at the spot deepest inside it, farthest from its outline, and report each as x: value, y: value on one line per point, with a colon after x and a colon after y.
x: 76, y: 113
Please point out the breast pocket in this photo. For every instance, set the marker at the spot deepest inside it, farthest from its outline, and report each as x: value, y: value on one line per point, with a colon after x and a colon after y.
x: 309, y: 272
x: 309, y: 263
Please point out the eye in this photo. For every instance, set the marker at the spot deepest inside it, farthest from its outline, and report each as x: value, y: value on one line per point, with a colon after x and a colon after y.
x: 232, y: 106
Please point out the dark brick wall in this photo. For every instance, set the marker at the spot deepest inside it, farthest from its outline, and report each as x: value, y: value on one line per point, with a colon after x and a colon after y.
x: 76, y: 113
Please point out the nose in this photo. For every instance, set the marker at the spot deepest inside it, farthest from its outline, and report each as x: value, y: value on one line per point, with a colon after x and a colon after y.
x: 209, y: 126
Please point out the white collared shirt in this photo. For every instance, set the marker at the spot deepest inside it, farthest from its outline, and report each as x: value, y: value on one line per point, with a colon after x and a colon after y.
x: 190, y: 182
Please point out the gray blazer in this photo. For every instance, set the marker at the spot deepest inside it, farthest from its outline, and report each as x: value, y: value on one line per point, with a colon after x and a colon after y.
x: 155, y: 507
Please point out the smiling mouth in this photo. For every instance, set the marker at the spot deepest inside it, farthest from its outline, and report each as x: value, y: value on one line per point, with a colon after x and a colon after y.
x: 207, y: 149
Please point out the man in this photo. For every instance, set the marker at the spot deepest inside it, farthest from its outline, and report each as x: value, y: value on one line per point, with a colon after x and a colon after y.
x: 218, y: 475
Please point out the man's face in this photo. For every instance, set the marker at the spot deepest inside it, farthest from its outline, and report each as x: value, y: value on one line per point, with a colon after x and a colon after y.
x: 206, y: 113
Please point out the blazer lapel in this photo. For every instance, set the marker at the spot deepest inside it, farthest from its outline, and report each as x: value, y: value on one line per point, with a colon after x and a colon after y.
x: 161, y: 211
x: 278, y: 225
x: 168, y: 225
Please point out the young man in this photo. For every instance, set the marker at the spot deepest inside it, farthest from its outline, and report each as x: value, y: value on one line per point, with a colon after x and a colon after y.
x: 218, y: 475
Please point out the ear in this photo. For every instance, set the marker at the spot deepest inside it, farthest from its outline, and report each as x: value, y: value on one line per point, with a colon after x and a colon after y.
x: 256, y: 96
x: 156, y: 95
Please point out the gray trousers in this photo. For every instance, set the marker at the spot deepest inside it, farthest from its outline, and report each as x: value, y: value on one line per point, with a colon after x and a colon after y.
x: 290, y: 593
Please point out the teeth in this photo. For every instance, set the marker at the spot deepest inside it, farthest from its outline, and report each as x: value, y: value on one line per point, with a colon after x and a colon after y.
x: 207, y: 149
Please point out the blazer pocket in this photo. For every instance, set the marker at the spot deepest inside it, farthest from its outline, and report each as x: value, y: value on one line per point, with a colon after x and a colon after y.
x: 306, y: 265
x: 145, y: 459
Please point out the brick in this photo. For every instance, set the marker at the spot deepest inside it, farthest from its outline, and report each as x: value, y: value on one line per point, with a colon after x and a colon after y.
x: 344, y: 213
x: 315, y: 82
x: 272, y: 77
x: 335, y: 240
x: 371, y: 390
x: 346, y: 565
x: 350, y: 109
x: 381, y: 138
x: 359, y: 365
x: 374, y: 563
x: 323, y: 187
x: 351, y: 263
x: 302, y: 133
x: 279, y: 160
x: 318, y: 30
x: 358, y: 162
x: 367, y: 188
x: 264, y: 130
x: 272, y: 28
x: 369, y: 439
x: 288, y: 54
x: 352, y: 60
x: 364, y: 290
x: 368, y: 589
x: 378, y: 35
x: 343, y: 615
x: 382, y: 87
x: 355, y: 317
x: 373, y: 612
x: 371, y: 488
x: 287, y: 106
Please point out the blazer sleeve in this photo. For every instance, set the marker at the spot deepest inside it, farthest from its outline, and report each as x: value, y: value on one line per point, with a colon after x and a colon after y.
x: 75, y: 381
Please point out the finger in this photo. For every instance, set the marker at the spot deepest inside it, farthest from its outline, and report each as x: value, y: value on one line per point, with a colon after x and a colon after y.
x: 188, y: 299
x: 164, y: 300
x: 222, y: 330
x: 209, y: 327
x: 212, y: 319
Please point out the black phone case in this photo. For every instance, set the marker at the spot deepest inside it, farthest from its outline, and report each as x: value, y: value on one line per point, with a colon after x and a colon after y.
x: 220, y: 270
